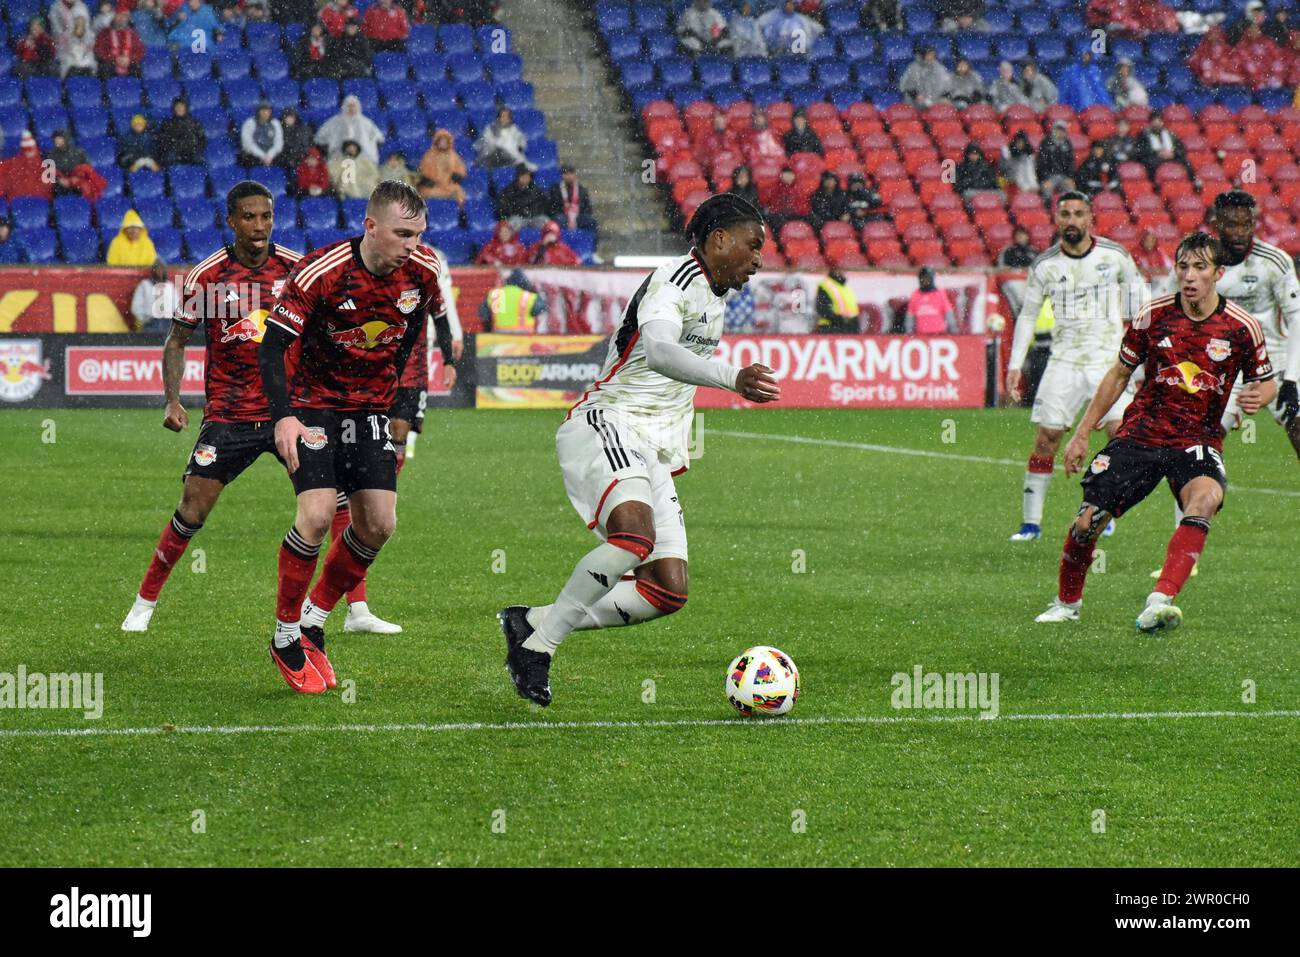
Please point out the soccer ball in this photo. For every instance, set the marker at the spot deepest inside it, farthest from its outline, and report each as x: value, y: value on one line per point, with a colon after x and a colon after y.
x: 762, y: 681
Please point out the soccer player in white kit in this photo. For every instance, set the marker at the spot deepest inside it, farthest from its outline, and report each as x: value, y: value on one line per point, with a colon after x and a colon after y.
x: 625, y: 440
x: 1092, y: 283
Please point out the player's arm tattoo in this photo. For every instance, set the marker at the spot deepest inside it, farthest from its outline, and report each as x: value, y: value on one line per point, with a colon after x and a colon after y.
x: 174, y: 360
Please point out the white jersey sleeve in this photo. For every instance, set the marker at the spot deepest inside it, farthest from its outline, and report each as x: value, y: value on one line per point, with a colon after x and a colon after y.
x: 1264, y: 284
x: 1028, y: 317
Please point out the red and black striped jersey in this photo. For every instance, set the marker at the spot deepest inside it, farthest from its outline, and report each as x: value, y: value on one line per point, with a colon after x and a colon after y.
x: 233, y: 302
x: 1191, y: 365
x: 351, y: 323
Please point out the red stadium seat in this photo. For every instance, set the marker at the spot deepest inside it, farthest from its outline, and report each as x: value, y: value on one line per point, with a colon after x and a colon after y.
x: 684, y: 187
x: 1177, y: 112
x: 1019, y: 113
x: 894, y: 188
x: 851, y: 260
x: 945, y: 219
x: 878, y: 231
x: 801, y: 247
x: 809, y: 262
x: 899, y: 112
x: 897, y: 262
x: 998, y: 236
x: 685, y: 169
x: 903, y: 218
x: 969, y: 250
x: 935, y: 260
x: 934, y: 189
x: 805, y: 164
x: 845, y: 170
x: 1107, y: 200
x: 1059, y: 111
x: 838, y: 230
x: 979, y: 113
x: 1137, y: 116
x: 946, y: 200
x: 1107, y: 219
x: 916, y: 232
x: 781, y: 111
x: 922, y: 248
x: 960, y: 230
x: 985, y: 200
x: 1026, y: 200
x: 913, y: 160
x: 1137, y: 187
x: 1130, y: 171
x: 836, y: 140
x: 987, y: 219
x: 658, y: 108
x: 886, y: 247
x: 861, y: 128
x: 1176, y: 189
x: 1040, y: 235
x: 942, y: 112
x: 1030, y: 218
x: 794, y: 230
x: 821, y: 111
x: 942, y: 130
x: 1125, y: 234
x: 861, y: 111
x: 1146, y: 203
x: 839, y: 248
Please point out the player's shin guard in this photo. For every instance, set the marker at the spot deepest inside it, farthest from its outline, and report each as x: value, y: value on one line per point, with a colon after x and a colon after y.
x: 596, y: 574
x: 1037, y: 477
x: 342, y: 519
x: 1075, y: 560
x: 175, y: 539
x: 297, y: 565
x: 631, y: 602
x: 345, y: 565
x: 1184, y: 550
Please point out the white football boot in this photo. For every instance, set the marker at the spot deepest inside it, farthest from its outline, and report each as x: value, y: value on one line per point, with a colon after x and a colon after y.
x: 1160, y: 614
x: 361, y: 618
x: 1061, y: 611
x: 137, y: 619
x: 1196, y: 570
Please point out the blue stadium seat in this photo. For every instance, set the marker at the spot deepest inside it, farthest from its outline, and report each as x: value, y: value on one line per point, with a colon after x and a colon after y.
x: 234, y: 65
x: 220, y: 180
x: 45, y: 122
x: 157, y: 64
x: 455, y: 247
x: 218, y: 156
x: 804, y: 96
x: 1148, y: 73
x: 158, y: 212
x: 84, y: 92
x: 398, y: 96
x: 623, y: 46
x: 100, y: 150
x: 613, y: 18
x: 832, y: 73
x: 479, y: 214
x: 422, y: 42
x: 517, y: 96
x: 194, y: 66
x: 494, y: 38
x: 187, y: 181
x: 1234, y: 97
x: 272, y: 177
x: 354, y: 214
x: 316, y: 238
x: 581, y: 241
x: 262, y: 38
x: 823, y: 48
x: 464, y: 67
x: 1121, y: 48
x: 873, y: 75
x: 1162, y: 48
x: 972, y: 46
x: 71, y: 212
x: 282, y: 94
x: 455, y: 119
x: 272, y: 67
x: 215, y: 122
x: 999, y: 21
x: 29, y: 212
x: 675, y: 71
x: 80, y: 244
x: 942, y: 43
x: 44, y: 92
x: 321, y: 91
x: 897, y: 47
x: 201, y: 94
x: 456, y: 38
x: 844, y: 19
x: 429, y: 70
x: 651, y: 18
x: 1034, y: 22
x: 505, y: 67
x: 391, y: 67
x: 532, y: 122
x: 202, y: 243
x: 412, y: 147
x: 1179, y: 80
x: 407, y: 124
x: 443, y: 214
x: 90, y: 123
x: 146, y: 184
x: 477, y: 97
x: 842, y: 97
x: 858, y: 47
x: 476, y: 183
x: 643, y: 97
x: 659, y: 45
x: 161, y: 93
x: 1274, y: 99
x: 364, y: 90
x: 529, y: 235
x: 790, y: 73
x: 637, y: 74
x: 1011, y: 46
x: 293, y: 32
x: 40, y: 244
x: 11, y: 93
x: 167, y: 243
x: 109, y: 211
x: 765, y: 94
x: 318, y: 212
x: 113, y: 178
x: 1070, y: 23
x: 1049, y: 49
x: 501, y: 177
x: 196, y: 212
x: 242, y: 96
x: 725, y: 96
x: 286, y: 211
x: 290, y: 239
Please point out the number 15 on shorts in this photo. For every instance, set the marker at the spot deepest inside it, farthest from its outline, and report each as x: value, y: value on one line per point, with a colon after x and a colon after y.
x: 1200, y: 451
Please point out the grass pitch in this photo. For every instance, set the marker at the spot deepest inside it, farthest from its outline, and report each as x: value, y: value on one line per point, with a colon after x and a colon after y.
x: 905, y: 561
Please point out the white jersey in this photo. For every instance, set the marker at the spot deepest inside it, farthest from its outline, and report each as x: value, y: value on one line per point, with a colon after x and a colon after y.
x: 1265, y: 285
x: 1091, y: 300
x: 657, y: 408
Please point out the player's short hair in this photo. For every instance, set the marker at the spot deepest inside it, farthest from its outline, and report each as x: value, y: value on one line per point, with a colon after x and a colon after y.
x: 1202, y: 243
x: 1234, y: 199
x: 244, y: 189
x: 1070, y: 194
x: 721, y: 211
x: 395, y: 192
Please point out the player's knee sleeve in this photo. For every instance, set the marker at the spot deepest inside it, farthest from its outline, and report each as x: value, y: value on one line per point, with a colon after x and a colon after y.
x: 1196, y: 521
x: 661, y: 598
x: 638, y: 545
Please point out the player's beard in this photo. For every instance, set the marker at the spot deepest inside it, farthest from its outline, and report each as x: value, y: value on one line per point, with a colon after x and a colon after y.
x: 1072, y: 235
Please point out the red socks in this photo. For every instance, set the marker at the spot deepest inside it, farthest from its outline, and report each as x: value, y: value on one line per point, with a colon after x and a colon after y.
x: 175, y: 539
x: 297, y: 564
x: 345, y: 566
x: 1075, y: 560
x: 1180, y: 558
x: 1042, y: 464
x: 342, y: 519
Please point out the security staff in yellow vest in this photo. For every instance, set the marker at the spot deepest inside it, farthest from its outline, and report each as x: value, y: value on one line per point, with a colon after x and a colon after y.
x: 836, y: 307
x: 512, y: 307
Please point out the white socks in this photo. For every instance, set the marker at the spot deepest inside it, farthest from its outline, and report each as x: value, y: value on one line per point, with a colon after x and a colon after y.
x: 286, y: 633
x: 1035, y: 495
x: 623, y: 605
x: 595, y: 575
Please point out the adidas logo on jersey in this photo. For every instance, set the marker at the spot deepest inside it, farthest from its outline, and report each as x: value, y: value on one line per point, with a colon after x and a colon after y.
x: 348, y: 304
x: 1165, y: 343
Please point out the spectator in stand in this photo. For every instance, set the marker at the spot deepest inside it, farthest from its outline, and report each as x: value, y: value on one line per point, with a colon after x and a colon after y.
x: 313, y: 176
x: 232, y: 21
x: 1277, y: 28
x: 1005, y: 91
x: 513, y: 307
x: 297, y: 139
x: 1038, y: 89
x: 746, y: 35
x: 926, y: 81
x: 63, y: 16
x: 137, y: 149
x: 829, y: 203
x: 1020, y: 253
x: 759, y: 142
x: 975, y: 174
x: 153, y: 304
x: 386, y: 26
x: 148, y: 23
x: 551, y: 250
x: 348, y: 57
x: 193, y: 18
x: 701, y: 29
x: 1153, y: 261
x: 76, y: 51
x: 395, y: 168
x: 309, y: 62
x: 11, y: 252
x: 929, y: 311
x: 181, y: 138
x: 1019, y: 166
x: 442, y: 170
x: 1264, y: 63
x: 1214, y: 61
x: 23, y: 174
x: 966, y: 86
x: 1095, y: 172
x: 717, y: 140
x: 34, y: 53
x: 503, y: 143
x: 261, y: 138
x: 880, y: 16
x: 1055, y: 164
x: 350, y: 123
x: 865, y: 204
x: 1082, y: 84
x: 1157, y: 144
x: 523, y: 203
x: 800, y: 139
x: 785, y: 202
x: 570, y: 202
x: 1124, y: 88
x: 66, y: 156
x: 1122, y: 147
x: 963, y: 16
x: 1253, y: 15
x: 353, y: 175
x: 503, y: 249
x: 119, y: 49
x: 132, y: 245
x: 742, y: 184
x: 103, y: 18
x: 789, y: 32
x: 259, y: 11
x: 336, y: 15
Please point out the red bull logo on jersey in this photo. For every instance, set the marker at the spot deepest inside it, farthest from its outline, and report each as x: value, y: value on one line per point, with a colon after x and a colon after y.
x: 368, y: 335
x: 407, y: 301
x: 1191, y: 378
x: 1218, y: 349
x: 21, y: 369
x: 250, y: 328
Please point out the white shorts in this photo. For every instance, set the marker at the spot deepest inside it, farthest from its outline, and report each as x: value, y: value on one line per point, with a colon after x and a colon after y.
x: 1232, y: 414
x: 605, y: 465
x: 1065, y: 391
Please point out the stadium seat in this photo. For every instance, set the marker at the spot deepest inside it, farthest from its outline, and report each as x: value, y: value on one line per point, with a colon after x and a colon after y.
x: 193, y: 66
x: 272, y: 177
x: 71, y: 212
x: 456, y: 38
x: 391, y: 67
x: 317, y: 213
x: 167, y: 242
x: 202, y: 243
x: 79, y: 245
x: 90, y: 123
x: 40, y: 243
x: 29, y: 212
x: 234, y: 65
x: 262, y: 38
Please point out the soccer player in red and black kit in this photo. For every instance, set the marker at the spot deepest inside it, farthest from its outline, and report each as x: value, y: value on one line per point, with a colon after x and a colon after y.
x: 357, y: 307
x: 229, y: 292
x: 1192, y: 344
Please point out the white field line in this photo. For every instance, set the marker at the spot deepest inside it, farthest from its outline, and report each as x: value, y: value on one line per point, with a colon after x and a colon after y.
x: 928, y: 454
x: 464, y: 727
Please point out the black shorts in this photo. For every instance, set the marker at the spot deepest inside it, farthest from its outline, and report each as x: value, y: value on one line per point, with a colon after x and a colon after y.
x: 409, y: 406
x: 225, y: 449
x: 1124, y: 472
x: 348, y: 451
